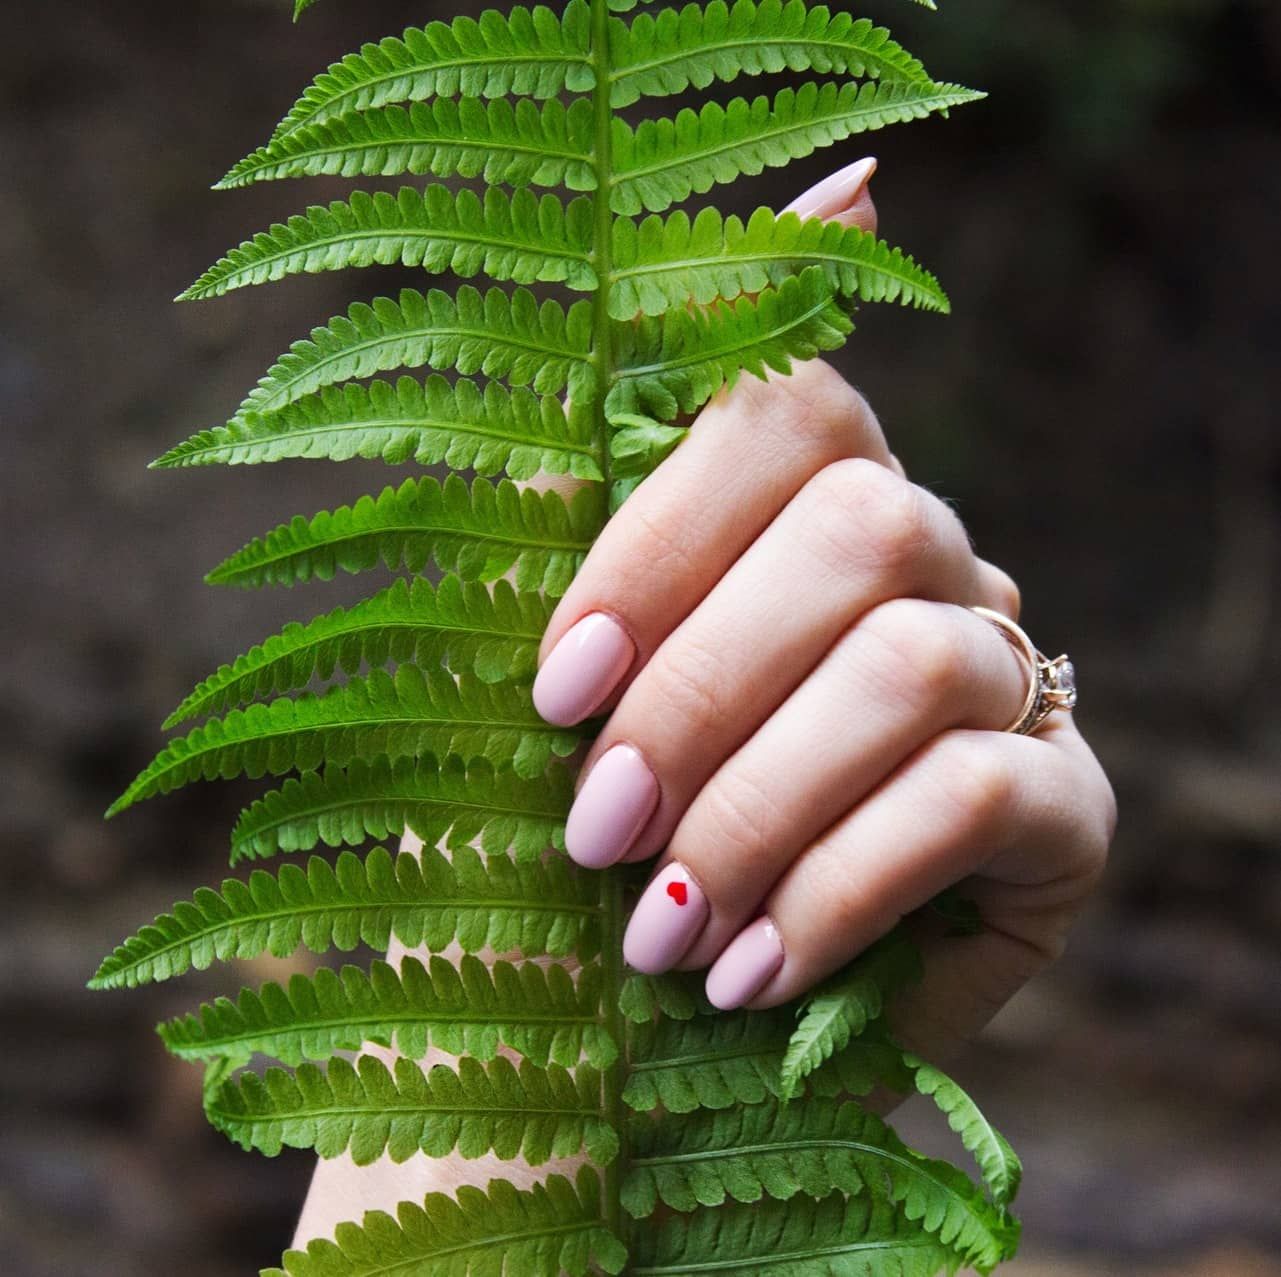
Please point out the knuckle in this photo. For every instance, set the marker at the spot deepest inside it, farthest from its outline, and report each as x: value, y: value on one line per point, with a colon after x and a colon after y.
x: 980, y: 786
x: 688, y: 687
x: 922, y: 646
x: 865, y: 515
x: 738, y: 810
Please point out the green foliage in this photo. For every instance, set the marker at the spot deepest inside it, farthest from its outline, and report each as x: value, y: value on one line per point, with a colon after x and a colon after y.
x: 410, y: 710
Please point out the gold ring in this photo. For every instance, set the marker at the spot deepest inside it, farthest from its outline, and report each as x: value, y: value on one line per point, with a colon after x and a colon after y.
x: 1051, y: 683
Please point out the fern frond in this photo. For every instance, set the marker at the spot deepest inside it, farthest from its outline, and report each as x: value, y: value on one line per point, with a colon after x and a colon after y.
x: 488, y: 431
x: 662, y: 263
x: 455, y: 800
x: 514, y: 336
x: 521, y: 237
x: 816, y: 1148
x: 552, y: 1230
x: 532, y: 52
x: 698, y: 44
x: 675, y: 363
x: 480, y: 531
x: 493, y: 635
x: 837, y: 1237
x: 468, y: 1009
x: 1002, y: 1171
x: 397, y: 716
x: 843, y: 1007
x: 664, y: 161
x: 368, y: 1110
x: 429, y: 902
x: 520, y: 144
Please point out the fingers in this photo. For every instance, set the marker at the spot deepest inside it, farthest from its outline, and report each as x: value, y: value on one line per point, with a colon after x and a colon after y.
x: 1024, y: 811
x: 906, y: 672
x: 749, y: 454
x: 855, y: 536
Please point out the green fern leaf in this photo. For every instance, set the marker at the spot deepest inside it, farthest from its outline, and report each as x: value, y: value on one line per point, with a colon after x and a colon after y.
x: 664, y: 161
x: 428, y: 902
x: 520, y: 237
x: 520, y: 144
x: 532, y: 52
x: 836, y: 1237
x: 479, y: 531
x: 505, y: 335
x: 662, y: 263
x: 397, y: 716
x: 816, y: 1148
x: 675, y: 363
x: 488, y: 431
x: 698, y: 44
x: 493, y: 635
x: 1002, y: 1171
x: 453, y: 800
x: 368, y: 1110
x: 469, y: 1009
x: 553, y: 1230
x: 843, y: 1007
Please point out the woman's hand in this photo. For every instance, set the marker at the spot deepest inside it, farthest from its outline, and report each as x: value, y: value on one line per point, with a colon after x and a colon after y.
x: 806, y: 720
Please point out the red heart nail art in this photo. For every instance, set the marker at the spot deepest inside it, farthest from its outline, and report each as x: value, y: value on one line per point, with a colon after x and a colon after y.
x: 678, y: 892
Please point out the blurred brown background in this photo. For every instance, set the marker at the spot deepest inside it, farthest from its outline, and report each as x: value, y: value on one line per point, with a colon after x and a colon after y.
x: 1101, y: 407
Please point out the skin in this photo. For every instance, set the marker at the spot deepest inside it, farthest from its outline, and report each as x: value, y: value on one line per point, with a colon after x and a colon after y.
x: 825, y: 719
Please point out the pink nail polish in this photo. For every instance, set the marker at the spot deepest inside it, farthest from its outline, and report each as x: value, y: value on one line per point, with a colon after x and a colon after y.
x: 746, y: 967
x: 582, y: 669
x: 834, y: 193
x: 665, y: 922
x: 616, y: 800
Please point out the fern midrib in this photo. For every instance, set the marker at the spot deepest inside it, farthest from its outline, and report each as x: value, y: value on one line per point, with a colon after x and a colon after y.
x: 199, y: 290
x: 324, y: 113
x: 303, y: 813
x: 812, y: 257
x: 763, y: 135
x: 282, y: 397
x: 703, y: 1057
x: 398, y: 1110
x: 478, y: 534
x: 706, y: 354
x: 747, y: 42
x: 346, y: 905
x: 752, y: 1263
x: 217, y: 1043
x: 398, y: 423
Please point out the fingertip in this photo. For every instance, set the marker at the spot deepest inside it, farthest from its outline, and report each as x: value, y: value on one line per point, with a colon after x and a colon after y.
x: 842, y: 197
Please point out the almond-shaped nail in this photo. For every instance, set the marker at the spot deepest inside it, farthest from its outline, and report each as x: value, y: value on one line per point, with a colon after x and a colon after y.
x: 613, y: 806
x: 746, y: 967
x: 666, y: 921
x: 834, y: 193
x: 582, y: 669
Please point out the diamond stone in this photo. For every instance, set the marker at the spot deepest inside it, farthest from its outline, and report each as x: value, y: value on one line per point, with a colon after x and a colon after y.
x: 1065, y: 679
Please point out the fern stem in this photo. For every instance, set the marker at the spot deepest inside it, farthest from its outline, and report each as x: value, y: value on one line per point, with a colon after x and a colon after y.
x: 611, y: 958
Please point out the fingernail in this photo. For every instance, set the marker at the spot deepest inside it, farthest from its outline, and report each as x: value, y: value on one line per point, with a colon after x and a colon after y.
x: 834, y: 193
x: 582, y: 669
x: 616, y: 800
x: 746, y: 967
x: 665, y: 922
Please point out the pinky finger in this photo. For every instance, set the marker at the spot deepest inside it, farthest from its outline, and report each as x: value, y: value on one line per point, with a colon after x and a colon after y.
x: 1031, y: 815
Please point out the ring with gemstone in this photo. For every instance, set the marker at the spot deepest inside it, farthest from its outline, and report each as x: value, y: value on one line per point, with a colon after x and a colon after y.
x: 1051, y: 683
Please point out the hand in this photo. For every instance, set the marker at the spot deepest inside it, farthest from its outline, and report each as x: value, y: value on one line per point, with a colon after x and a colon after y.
x: 806, y: 720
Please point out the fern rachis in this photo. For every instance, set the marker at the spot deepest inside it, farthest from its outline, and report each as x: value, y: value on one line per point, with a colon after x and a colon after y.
x: 717, y: 1142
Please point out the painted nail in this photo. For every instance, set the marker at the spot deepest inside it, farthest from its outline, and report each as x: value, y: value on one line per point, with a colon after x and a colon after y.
x: 616, y: 800
x: 746, y: 967
x: 834, y: 193
x: 665, y: 922
x: 582, y: 669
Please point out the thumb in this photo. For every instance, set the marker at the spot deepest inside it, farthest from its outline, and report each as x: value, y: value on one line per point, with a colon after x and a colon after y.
x: 842, y: 197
